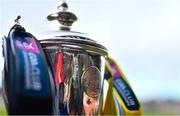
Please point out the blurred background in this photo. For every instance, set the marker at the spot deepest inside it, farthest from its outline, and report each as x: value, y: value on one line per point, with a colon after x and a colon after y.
x: 143, y: 36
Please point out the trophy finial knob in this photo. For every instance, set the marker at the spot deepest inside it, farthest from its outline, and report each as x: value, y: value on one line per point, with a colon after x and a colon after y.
x: 17, y: 19
x: 63, y: 6
x: 64, y: 17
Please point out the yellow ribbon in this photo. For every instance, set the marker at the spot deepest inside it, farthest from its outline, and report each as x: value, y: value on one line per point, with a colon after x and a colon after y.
x: 116, y: 102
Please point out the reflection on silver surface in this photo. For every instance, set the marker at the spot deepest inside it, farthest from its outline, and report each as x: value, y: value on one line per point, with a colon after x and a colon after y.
x: 83, y: 73
x: 79, y: 65
x: 91, y: 90
x: 91, y: 82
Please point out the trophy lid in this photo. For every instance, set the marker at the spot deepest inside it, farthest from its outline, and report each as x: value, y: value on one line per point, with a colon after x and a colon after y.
x: 64, y: 36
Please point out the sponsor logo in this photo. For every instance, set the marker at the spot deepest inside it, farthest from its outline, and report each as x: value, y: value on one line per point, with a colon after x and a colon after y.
x: 126, y: 94
x: 29, y: 45
x: 32, y: 80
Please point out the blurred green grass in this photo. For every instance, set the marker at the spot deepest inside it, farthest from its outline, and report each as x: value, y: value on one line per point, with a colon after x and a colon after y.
x: 2, y: 110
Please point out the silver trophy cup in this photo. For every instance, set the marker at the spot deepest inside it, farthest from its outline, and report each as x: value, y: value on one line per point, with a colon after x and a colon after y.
x: 78, y: 63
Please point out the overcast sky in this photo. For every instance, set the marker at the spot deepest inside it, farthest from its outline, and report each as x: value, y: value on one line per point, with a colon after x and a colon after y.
x: 142, y: 35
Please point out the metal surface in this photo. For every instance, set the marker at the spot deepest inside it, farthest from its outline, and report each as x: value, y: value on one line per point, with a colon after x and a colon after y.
x: 83, y: 79
x: 79, y: 64
x: 64, y: 17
